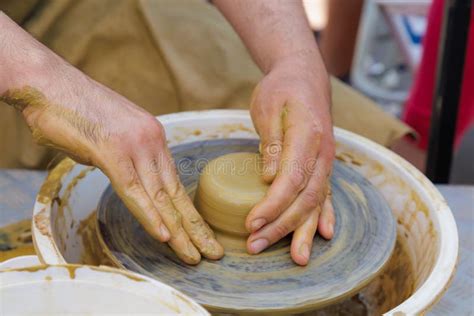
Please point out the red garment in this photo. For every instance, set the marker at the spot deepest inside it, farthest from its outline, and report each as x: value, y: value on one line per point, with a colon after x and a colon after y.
x: 419, y: 105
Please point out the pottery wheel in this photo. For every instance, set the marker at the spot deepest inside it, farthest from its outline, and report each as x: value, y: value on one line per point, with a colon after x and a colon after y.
x: 364, y: 237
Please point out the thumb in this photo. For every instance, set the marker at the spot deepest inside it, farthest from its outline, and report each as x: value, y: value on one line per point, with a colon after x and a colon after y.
x: 267, y: 118
x: 270, y: 150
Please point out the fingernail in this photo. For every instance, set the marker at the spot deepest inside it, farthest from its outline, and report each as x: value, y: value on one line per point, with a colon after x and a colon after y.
x: 331, y: 228
x: 257, y: 224
x: 304, y: 251
x: 164, y: 232
x: 258, y: 245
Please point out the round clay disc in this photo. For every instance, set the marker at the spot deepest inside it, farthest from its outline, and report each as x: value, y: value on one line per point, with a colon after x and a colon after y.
x: 364, y: 238
x: 229, y: 187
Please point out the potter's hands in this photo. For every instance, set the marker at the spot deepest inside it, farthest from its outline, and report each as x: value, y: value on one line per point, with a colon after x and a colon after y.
x: 129, y: 146
x: 67, y: 110
x: 291, y: 111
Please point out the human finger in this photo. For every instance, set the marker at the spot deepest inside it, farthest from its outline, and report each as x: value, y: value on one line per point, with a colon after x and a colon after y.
x: 302, y: 241
x: 327, y: 219
x: 179, y: 240
x: 300, y: 151
x: 197, y: 229
x: 128, y: 186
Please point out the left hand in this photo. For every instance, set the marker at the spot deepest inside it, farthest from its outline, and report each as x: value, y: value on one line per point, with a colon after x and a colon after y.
x: 291, y: 112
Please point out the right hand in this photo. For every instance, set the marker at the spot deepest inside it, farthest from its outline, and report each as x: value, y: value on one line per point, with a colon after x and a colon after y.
x: 290, y: 109
x: 96, y: 126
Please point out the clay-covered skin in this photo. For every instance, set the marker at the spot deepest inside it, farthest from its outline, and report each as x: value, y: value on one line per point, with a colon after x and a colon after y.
x: 229, y: 186
x: 139, y: 166
x: 298, y: 151
x: 146, y: 180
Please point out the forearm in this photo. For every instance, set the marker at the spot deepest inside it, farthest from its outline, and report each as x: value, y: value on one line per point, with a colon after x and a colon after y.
x: 35, y: 80
x: 27, y: 65
x: 7, y: 34
x: 273, y: 31
x: 290, y: 109
x: 22, y: 58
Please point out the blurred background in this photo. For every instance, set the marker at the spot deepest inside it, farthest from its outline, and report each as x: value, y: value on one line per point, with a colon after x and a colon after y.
x: 373, y: 45
x: 388, y: 50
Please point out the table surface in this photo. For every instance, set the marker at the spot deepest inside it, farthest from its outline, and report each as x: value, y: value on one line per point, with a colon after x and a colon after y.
x: 18, y: 189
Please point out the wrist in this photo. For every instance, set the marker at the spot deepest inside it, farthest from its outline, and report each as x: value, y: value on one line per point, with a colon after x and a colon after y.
x: 308, y: 53
x: 5, y: 62
x: 302, y: 76
x: 305, y: 67
x: 305, y: 62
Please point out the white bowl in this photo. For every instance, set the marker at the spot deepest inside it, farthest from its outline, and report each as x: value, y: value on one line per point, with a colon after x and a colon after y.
x: 86, y: 290
x: 424, y: 221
